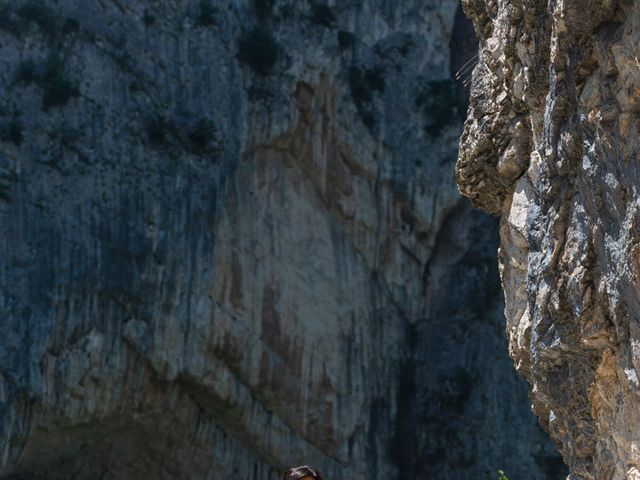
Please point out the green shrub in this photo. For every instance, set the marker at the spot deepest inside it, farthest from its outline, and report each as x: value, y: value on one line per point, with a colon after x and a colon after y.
x: 8, y: 21
x: 11, y: 131
x: 148, y: 19
x: 202, y: 137
x: 437, y: 101
x: 259, y: 49
x: 199, y: 138
x: 363, y: 83
x: 27, y: 72
x: 263, y: 8
x: 160, y: 130
x: 207, y: 13
x: 57, y: 89
x: 45, y: 18
x: 70, y: 25
x: 65, y: 135
x: 321, y: 14
x: 7, y: 178
x: 406, y: 47
x: 286, y: 11
x: 501, y: 475
x: 346, y: 39
x: 259, y: 93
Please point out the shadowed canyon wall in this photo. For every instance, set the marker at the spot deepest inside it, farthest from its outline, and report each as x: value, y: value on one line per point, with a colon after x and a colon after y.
x: 551, y: 146
x: 232, y: 241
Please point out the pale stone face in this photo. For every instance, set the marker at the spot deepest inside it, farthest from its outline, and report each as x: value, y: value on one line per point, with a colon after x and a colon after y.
x: 551, y: 146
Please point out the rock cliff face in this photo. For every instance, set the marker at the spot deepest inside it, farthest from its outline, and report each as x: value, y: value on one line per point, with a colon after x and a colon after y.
x: 232, y: 241
x: 551, y: 145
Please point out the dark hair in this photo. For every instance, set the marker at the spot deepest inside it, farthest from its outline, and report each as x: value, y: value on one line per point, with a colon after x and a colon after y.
x: 298, y: 473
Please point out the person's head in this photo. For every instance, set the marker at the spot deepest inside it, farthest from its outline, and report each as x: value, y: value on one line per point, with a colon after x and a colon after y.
x: 302, y: 473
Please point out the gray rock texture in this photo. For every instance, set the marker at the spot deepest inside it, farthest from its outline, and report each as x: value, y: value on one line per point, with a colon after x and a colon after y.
x: 232, y: 241
x: 551, y: 146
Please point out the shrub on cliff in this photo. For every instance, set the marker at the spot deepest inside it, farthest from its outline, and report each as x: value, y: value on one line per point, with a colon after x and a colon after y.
x: 202, y: 137
x: 501, y: 475
x: 8, y: 21
x: 346, y: 39
x: 11, y: 131
x: 160, y: 130
x: 263, y: 9
x: 363, y: 83
x: 437, y: 101
x: 322, y: 15
x: 206, y: 14
x: 259, y: 50
x: 40, y: 14
x: 57, y: 88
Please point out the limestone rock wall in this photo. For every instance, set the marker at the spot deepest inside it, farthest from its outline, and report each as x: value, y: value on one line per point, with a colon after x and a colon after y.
x: 232, y: 241
x: 551, y: 146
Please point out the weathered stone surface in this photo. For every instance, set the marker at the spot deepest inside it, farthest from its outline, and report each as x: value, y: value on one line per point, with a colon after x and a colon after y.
x: 551, y: 145
x: 232, y: 241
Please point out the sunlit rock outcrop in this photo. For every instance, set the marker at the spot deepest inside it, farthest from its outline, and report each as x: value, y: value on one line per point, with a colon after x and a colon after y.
x: 551, y: 146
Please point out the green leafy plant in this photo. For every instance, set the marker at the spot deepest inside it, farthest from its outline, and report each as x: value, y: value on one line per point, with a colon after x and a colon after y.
x: 202, y: 137
x: 39, y: 13
x: 70, y: 25
x: 8, y: 21
x: 346, y: 39
x: 363, y: 83
x: 7, y: 178
x: 437, y: 101
x: 11, y: 131
x: 148, y: 18
x: 259, y: 49
x: 501, y: 475
x: 169, y: 132
x: 57, y: 88
x: 322, y: 15
x: 160, y: 130
x: 27, y: 72
x: 207, y: 13
x: 263, y: 9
